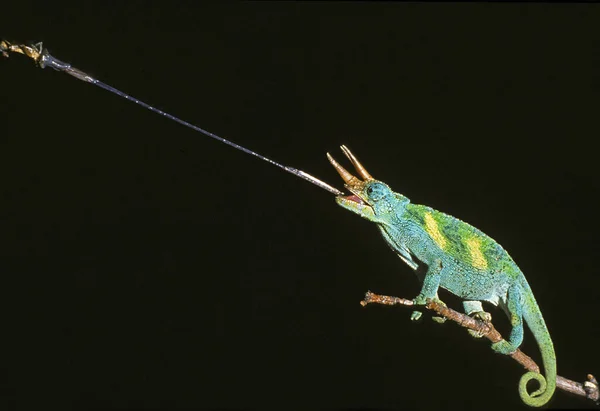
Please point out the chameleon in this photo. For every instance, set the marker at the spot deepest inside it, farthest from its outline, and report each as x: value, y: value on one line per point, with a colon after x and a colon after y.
x: 458, y: 258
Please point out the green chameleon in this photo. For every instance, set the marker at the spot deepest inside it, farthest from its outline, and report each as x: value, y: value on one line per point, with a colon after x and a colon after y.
x: 460, y: 259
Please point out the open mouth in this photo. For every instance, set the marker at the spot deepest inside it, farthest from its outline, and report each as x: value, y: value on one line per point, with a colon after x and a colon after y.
x: 355, y: 198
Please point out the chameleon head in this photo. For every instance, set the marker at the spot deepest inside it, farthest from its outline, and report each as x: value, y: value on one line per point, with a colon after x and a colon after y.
x: 370, y: 198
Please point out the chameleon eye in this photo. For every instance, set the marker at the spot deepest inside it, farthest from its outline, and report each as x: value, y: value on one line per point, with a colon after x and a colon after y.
x: 376, y: 191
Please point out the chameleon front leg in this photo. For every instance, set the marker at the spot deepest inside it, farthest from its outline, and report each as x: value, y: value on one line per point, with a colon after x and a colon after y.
x: 429, y: 290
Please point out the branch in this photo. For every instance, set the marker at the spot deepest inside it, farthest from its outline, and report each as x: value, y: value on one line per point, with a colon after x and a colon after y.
x: 588, y: 389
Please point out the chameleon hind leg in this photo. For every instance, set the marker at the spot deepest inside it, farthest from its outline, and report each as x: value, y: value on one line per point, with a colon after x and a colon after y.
x: 475, y: 309
x: 514, y: 305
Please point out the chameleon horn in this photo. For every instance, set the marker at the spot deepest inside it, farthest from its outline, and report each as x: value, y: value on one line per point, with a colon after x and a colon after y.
x: 346, y: 176
x: 359, y: 167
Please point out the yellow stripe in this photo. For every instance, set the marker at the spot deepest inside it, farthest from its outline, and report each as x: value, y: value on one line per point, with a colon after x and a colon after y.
x: 432, y: 229
x: 477, y: 258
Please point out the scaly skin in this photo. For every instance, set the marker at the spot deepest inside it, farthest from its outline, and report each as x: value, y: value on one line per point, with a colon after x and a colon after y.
x: 460, y: 259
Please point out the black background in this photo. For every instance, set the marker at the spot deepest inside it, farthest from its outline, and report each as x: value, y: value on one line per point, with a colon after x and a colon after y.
x: 146, y: 266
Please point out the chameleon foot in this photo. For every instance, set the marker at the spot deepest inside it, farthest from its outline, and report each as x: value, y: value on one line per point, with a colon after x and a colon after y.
x: 416, y: 315
x: 482, y: 316
x: 439, y: 319
x: 421, y: 300
x: 475, y: 334
x: 418, y: 300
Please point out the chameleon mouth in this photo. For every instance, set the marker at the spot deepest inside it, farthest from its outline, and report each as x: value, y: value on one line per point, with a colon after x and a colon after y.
x: 355, y: 198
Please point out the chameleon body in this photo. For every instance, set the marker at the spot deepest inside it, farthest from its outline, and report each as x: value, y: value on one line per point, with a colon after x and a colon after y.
x: 459, y: 258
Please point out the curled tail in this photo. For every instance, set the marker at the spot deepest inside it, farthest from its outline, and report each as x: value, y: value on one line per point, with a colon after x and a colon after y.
x: 542, y: 395
x: 535, y: 321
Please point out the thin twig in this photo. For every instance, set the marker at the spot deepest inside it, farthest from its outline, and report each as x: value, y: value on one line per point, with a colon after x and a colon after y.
x: 588, y: 389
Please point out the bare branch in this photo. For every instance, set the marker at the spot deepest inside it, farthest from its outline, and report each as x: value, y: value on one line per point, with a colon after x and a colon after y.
x: 588, y: 389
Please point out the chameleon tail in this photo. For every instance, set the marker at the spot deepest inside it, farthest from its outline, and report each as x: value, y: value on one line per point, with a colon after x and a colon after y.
x: 535, y: 321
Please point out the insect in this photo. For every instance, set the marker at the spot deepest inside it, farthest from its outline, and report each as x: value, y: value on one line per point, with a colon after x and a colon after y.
x: 460, y: 259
